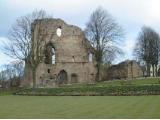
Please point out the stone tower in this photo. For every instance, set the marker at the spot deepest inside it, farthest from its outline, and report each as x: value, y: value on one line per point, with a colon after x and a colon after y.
x: 67, y: 55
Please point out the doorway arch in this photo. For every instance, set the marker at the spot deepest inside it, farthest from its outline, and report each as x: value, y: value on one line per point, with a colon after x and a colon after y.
x: 62, y: 77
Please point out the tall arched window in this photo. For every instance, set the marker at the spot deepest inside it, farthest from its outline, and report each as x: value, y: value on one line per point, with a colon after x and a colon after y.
x: 53, y: 56
x: 90, y: 57
x: 50, y: 57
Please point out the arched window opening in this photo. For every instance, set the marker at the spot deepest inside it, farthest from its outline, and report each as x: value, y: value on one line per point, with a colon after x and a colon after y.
x: 73, y: 58
x: 48, y: 70
x: 53, y: 56
x: 50, y: 57
x: 74, y: 78
x: 90, y: 57
x: 59, y: 31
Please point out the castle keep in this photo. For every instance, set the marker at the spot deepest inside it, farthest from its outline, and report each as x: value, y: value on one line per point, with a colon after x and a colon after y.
x: 67, y: 55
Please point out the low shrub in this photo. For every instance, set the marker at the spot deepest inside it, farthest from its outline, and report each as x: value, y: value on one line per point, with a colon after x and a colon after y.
x: 94, y: 90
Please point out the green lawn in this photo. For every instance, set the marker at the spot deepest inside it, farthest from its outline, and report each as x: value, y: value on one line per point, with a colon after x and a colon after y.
x: 79, y: 107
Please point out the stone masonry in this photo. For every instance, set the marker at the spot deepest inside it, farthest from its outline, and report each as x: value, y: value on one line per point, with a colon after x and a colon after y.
x: 68, y: 56
x: 125, y: 70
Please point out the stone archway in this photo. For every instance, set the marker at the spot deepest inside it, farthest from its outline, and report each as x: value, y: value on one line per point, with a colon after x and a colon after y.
x: 62, y: 77
x: 74, y: 78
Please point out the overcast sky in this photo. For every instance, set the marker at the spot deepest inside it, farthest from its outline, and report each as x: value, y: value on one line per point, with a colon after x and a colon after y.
x: 130, y: 14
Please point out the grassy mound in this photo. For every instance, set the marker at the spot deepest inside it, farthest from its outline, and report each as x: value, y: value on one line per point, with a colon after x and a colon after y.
x: 144, y: 81
x: 149, y: 86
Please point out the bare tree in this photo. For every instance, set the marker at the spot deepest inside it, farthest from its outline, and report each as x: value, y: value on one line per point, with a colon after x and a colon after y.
x: 20, y: 45
x: 155, y: 51
x: 18, y: 72
x: 103, y: 32
x: 148, y: 49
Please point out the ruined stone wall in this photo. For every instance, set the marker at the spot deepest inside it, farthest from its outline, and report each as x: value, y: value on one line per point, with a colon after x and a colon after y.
x: 71, y: 53
x: 134, y: 70
x: 125, y: 70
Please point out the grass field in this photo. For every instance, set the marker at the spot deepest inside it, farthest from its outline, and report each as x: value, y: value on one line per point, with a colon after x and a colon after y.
x: 83, y: 106
x: 79, y: 107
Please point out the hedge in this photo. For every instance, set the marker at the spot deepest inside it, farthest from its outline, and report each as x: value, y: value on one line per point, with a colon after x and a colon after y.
x: 93, y: 91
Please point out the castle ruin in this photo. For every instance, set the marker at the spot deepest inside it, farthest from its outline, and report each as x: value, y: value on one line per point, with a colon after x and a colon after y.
x: 68, y: 57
